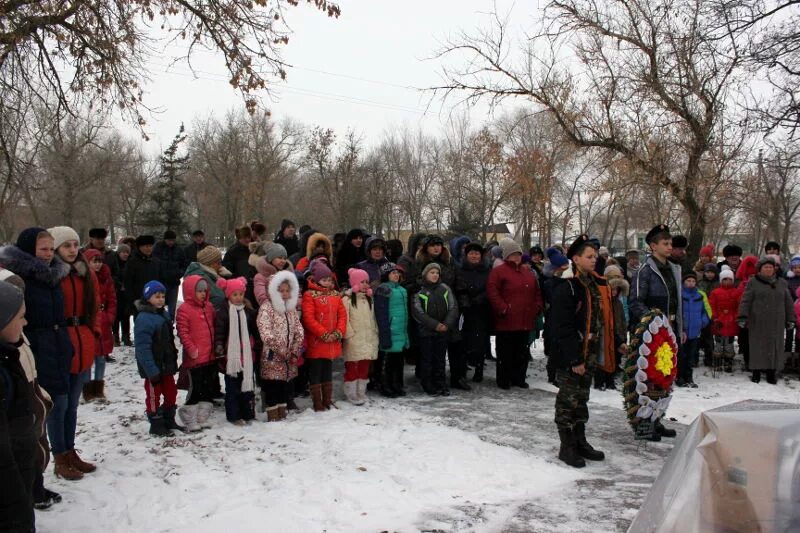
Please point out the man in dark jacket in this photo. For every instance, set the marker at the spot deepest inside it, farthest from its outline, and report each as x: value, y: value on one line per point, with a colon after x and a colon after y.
x: 173, y: 265
x: 678, y: 254
x: 473, y: 303
x: 583, y: 339
x: 141, y: 268
x: 287, y: 237
x: 18, y: 434
x: 198, y: 243
x: 658, y: 285
x: 237, y: 256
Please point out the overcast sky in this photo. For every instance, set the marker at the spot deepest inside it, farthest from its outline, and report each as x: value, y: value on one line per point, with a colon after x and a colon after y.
x: 359, y: 71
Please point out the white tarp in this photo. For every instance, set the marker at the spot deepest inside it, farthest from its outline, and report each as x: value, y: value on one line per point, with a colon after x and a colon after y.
x: 737, y: 469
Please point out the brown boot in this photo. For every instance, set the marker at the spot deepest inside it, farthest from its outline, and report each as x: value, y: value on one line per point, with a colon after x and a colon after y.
x: 88, y: 391
x: 100, y: 390
x: 316, y: 396
x: 282, y: 412
x: 273, y: 413
x: 64, y: 469
x: 327, y: 395
x: 79, y: 464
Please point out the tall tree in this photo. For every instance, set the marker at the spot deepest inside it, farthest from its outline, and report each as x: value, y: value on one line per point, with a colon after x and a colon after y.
x: 167, y: 205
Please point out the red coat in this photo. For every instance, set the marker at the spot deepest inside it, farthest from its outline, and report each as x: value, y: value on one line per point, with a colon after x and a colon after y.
x: 82, y: 336
x: 195, y: 323
x: 323, y: 312
x: 107, y: 313
x: 724, y: 309
x: 515, y: 297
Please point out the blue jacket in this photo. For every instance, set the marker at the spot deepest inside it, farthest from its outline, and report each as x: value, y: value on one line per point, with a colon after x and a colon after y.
x: 695, y: 316
x: 649, y: 290
x: 455, y: 248
x: 391, y: 313
x: 154, y: 342
x: 375, y: 269
x: 44, y: 311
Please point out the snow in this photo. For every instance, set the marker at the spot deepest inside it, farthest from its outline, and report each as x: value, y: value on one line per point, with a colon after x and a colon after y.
x: 477, y: 461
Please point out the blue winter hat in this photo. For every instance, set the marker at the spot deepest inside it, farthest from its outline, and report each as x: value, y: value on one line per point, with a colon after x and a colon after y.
x: 26, y: 241
x: 152, y: 287
x: 558, y: 260
x: 795, y: 261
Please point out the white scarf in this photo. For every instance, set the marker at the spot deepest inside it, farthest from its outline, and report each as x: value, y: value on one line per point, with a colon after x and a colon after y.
x: 240, y: 356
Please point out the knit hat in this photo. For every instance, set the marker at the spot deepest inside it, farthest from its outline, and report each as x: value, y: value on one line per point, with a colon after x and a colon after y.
x: 766, y: 260
x: 795, y: 261
x: 273, y: 251
x: 707, y: 250
x: 91, y: 253
x: 152, y: 287
x: 209, y: 255
x: 319, y: 269
x: 232, y: 285
x: 473, y: 247
x: 123, y: 248
x: 691, y: 274
x: 26, y: 241
x: 429, y: 267
x: 496, y: 252
x: 726, y: 273
x: 508, y: 247
x: 145, y: 240
x: 603, y: 251
x: 98, y: 233
x: 10, y: 277
x: 11, y: 299
x: 170, y: 235
x: 557, y: 259
x: 710, y: 267
x: 388, y: 268
x: 613, y: 271
x: 356, y: 276
x: 62, y: 234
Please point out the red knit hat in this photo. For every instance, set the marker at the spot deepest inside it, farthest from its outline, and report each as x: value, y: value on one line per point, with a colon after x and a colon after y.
x: 707, y: 250
x: 91, y: 253
x: 232, y: 285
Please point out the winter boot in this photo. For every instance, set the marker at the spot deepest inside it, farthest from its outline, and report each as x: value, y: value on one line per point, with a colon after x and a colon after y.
x: 477, y: 377
x: 316, y: 396
x: 79, y: 464
x: 460, y: 383
x: 361, y: 389
x: 204, y: 410
x: 158, y: 426
x: 64, y: 469
x: 327, y: 395
x: 169, y: 419
x: 351, y: 392
x: 188, y: 415
x: 664, y: 431
x: 100, y: 391
x: 282, y: 412
x: 585, y: 449
x: 127, y: 341
x: 272, y: 414
x: 89, y: 391
x: 756, y: 376
x: 291, y: 405
x: 568, y: 452
x: 45, y: 499
x: 771, y: 377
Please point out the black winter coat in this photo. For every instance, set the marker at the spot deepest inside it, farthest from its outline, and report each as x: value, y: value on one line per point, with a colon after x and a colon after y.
x: 173, y: 263
x: 190, y: 251
x: 237, y: 261
x: 44, y: 311
x: 18, y: 443
x: 138, y: 271
x: 222, y: 328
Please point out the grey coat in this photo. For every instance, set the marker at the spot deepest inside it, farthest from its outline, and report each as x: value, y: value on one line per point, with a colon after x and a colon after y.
x: 766, y: 307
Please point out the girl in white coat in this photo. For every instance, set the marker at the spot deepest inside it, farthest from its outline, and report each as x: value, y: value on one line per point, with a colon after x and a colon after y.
x: 361, y: 340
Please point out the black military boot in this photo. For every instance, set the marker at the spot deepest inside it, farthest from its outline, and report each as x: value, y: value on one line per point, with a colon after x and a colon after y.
x: 756, y: 376
x: 568, y: 452
x: 664, y: 431
x: 771, y: 378
x: 585, y: 449
x: 477, y: 377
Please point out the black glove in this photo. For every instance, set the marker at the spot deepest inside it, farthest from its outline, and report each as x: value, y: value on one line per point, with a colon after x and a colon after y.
x: 155, y: 380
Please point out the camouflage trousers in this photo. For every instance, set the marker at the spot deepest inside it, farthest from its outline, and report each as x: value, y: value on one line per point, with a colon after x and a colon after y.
x: 572, y: 397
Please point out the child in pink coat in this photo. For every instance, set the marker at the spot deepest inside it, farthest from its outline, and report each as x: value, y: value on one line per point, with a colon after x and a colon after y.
x: 195, y: 324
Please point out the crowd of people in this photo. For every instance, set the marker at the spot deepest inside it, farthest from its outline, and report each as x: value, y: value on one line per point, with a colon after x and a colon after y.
x: 273, y: 312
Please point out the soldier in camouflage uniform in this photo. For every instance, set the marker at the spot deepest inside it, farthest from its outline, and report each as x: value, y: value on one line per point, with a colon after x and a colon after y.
x: 583, y: 340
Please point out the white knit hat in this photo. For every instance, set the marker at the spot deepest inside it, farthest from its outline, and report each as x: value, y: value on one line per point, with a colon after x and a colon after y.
x: 509, y: 246
x: 726, y: 273
x: 62, y: 234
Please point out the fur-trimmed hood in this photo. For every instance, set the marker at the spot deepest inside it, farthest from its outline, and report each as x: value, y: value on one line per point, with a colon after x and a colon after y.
x: 623, y: 286
x: 316, y: 239
x: 423, y: 258
x: 27, y: 266
x: 275, y: 297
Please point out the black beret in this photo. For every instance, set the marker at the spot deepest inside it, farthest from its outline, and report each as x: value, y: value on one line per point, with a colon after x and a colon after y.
x: 731, y: 250
x: 660, y: 231
x: 679, y: 241
x: 579, y: 241
x: 144, y: 240
x: 170, y: 235
x: 98, y: 233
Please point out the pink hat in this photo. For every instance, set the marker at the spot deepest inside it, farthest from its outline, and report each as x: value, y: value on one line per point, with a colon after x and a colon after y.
x: 232, y: 285
x: 356, y: 276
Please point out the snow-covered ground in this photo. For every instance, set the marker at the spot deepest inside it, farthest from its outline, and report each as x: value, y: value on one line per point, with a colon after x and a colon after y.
x: 477, y: 461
